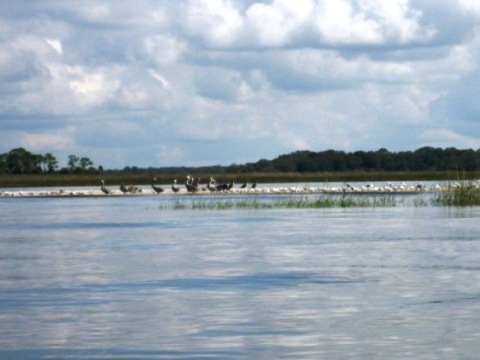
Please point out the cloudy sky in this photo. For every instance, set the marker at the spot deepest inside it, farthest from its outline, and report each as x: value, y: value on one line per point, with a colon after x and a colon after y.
x: 205, y: 82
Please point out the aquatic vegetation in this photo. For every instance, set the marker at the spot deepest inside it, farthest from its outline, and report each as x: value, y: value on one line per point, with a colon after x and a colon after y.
x: 284, y: 202
x: 465, y: 193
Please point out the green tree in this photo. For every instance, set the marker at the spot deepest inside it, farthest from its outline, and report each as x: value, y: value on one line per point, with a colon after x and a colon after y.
x: 85, y: 163
x: 51, y: 162
x: 3, y: 163
x: 73, y: 162
x: 20, y: 161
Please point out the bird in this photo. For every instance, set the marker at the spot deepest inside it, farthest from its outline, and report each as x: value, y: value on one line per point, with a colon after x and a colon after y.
x: 222, y: 186
x: 254, y: 185
x: 211, y: 185
x: 175, y: 187
x: 134, y: 189
x: 123, y: 188
x: 104, y: 189
x: 156, y: 188
x: 244, y: 185
x: 192, y: 184
x: 196, y: 185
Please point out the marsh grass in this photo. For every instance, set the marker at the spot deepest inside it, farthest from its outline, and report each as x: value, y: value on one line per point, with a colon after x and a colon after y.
x: 291, y: 202
x: 465, y: 193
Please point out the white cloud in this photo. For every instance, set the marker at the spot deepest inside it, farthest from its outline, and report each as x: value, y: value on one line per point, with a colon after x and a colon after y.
x: 245, y: 79
x: 337, y: 22
x: 157, y: 76
x: 397, y: 20
x: 164, y: 49
x: 273, y: 24
x: 56, y: 140
x: 470, y: 5
x: 442, y: 137
x: 218, y: 22
x: 56, y: 45
x: 168, y: 155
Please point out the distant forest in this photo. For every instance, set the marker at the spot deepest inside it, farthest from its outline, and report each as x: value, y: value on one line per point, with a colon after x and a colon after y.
x: 21, y: 161
x: 423, y: 159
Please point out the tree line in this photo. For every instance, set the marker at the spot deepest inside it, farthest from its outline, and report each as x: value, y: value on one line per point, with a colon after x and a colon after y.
x: 423, y: 159
x: 22, y: 161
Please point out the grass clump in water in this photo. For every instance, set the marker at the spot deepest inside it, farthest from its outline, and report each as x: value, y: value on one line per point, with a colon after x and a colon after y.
x: 344, y: 201
x: 459, y: 194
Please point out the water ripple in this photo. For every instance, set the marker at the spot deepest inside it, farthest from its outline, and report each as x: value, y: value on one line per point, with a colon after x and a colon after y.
x: 54, y: 296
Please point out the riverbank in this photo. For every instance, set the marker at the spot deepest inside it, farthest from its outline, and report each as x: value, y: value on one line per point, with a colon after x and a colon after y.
x: 295, y: 188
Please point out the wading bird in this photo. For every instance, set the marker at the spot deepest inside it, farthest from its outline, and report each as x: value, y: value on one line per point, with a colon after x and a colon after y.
x: 104, y: 189
x: 156, y: 188
x: 192, y: 184
x: 175, y: 187
x: 123, y: 188
x: 211, y: 185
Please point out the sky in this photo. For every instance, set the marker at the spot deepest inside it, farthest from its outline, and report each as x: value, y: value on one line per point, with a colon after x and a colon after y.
x: 154, y: 83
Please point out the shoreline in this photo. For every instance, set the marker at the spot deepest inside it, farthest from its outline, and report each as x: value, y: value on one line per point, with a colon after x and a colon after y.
x: 364, y: 189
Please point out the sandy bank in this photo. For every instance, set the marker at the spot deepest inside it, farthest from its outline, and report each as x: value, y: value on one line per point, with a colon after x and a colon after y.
x: 147, y: 191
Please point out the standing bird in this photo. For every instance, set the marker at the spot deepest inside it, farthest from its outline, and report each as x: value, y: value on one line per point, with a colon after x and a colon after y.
x: 254, y: 185
x: 104, y: 189
x: 211, y: 185
x: 175, y: 187
x: 123, y: 188
x: 192, y: 184
x: 244, y: 185
x: 156, y: 188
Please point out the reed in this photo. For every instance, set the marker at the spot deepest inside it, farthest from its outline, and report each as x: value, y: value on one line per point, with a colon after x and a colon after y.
x: 464, y: 193
x: 253, y: 203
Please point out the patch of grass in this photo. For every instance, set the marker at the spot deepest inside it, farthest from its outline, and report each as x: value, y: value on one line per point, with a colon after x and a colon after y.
x: 294, y: 202
x: 465, y: 193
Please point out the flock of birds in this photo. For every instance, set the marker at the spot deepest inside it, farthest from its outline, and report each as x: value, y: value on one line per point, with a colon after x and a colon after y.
x: 192, y: 185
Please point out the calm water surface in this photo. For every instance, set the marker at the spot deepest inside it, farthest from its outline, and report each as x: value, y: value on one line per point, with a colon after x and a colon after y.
x: 89, y: 278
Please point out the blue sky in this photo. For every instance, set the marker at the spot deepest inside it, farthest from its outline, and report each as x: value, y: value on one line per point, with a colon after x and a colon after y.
x: 189, y: 83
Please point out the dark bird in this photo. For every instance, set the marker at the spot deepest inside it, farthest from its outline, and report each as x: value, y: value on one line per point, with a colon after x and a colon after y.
x: 104, y: 189
x: 222, y: 186
x: 254, y: 185
x: 123, y: 188
x: 156, y: 188
x: 175, y: 187
x: 192, y: 184
x: 244, y: 185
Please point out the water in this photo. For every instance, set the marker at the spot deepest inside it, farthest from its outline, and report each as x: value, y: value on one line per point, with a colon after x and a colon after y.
x: 125, y: 278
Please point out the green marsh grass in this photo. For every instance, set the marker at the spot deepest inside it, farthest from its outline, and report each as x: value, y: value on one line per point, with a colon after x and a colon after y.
x: 288, y: 202
x: 465, y: 193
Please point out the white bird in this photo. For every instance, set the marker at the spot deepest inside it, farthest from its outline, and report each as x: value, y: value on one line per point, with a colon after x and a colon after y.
x: 175, y: 187
x: 211, y: 185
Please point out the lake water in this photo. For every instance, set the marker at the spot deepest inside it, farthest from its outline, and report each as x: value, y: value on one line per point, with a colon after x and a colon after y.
x: 128, y: 278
